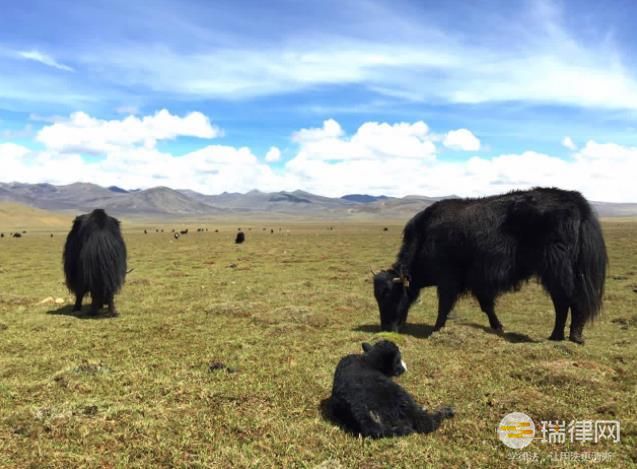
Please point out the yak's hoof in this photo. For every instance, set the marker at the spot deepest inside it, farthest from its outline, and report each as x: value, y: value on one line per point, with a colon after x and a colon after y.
x: 446, y: 412
x: 578, y: 339
x: 498, y: 330
x: 556, y: 337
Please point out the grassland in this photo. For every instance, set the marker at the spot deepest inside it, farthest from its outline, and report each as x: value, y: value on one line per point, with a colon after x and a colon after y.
x: 280, y: 310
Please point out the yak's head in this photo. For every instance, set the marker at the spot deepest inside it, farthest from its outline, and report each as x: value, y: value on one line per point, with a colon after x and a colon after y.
x: 391, y: 289
x: 385, y: 357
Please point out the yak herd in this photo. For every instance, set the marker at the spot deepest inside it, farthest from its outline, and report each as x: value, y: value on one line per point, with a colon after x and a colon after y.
x: 479, y: 246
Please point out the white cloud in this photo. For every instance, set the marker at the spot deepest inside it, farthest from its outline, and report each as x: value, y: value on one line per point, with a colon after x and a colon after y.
x: 273, y: 155
x: 372, y: 141
x: 45, y: 59
x: 461, y: 139
x: 368, y: 163
x: 12, y: 151
x: 379, y: 158
x: 82, y: 133
x: 568, y: 142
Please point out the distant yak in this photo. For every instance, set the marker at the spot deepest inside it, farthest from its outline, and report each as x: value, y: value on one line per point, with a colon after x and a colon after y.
x: 240, y: 238
x: 183, y: 232
x: 17, y: 235
x: 1, y: 235
x: 95, y: 260
x: 145, y: 232
x: 365, y: 401
x: 176, y: 235
x: 487, y: 246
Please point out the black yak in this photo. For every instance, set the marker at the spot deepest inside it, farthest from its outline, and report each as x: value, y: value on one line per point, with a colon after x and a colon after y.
x: 95, y: 260
x: 240, y: 238
x: 17, y: 235
x: 365, y: 401
x: 183, y: 232
x: 176, y: 235
x: 1, y: 235
x: 487, y: 246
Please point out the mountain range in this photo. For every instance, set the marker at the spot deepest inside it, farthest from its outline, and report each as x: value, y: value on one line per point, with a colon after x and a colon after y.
x: 167, y: 202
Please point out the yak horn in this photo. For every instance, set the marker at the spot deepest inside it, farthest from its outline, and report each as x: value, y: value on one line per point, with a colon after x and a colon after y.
x: 372, y: 271
x: 397, y: 280
x: 129, y: 271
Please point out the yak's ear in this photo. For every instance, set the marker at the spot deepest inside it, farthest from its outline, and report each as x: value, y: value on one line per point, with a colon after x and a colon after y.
x: 366, y: 347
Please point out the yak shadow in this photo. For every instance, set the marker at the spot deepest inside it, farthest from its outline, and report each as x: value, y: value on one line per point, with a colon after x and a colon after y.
x: 512, y: 337
x: 85, y: 314
x: 421, y: 331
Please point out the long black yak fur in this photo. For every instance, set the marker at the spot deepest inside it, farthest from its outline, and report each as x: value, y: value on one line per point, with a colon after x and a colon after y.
x: 487, y: 246
x: 240, y: 238
x: 365, y: 401
x: 95, y: 260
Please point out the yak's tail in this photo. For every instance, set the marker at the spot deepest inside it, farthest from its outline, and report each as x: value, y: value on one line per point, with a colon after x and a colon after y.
x: 103, y: 263
x: 590, y: 269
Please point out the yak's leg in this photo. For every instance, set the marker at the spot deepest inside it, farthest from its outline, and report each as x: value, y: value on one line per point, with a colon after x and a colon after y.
x: 112, y: 310
x: 446, y: 299
x: 487, y: 305
x: 577, y: 325
x: 96, y: 304
x: 561, y: 312
x: 78, y: 302
x: 405, y: 304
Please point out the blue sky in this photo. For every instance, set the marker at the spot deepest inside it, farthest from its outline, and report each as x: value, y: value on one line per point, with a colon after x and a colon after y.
x: 518, y: 77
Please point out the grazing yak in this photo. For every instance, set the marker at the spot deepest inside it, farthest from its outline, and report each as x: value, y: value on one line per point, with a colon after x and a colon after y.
x: 95, y: 260
x: 17, y: 235
x: 240, y: 238
x: 365, y: 401
x: 487, y: 246
x: 183, y: 232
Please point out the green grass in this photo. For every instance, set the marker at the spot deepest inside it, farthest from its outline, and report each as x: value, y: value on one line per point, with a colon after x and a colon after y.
x: 281, y: 310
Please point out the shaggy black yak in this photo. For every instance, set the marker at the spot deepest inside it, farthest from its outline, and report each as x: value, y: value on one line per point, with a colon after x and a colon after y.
x: 240, y: 238
x: 365, y: 401
x: 487, y: 246
x: 95, y: 260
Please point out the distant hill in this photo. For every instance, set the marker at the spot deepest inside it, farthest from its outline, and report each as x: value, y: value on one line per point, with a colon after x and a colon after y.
x: 363, y: 198
x: 118, y: 190
x: 166, y: 202
x: 18, y: 217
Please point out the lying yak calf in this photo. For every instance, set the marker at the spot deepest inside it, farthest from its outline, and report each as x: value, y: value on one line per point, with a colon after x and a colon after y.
x: 487, y: 246
x: 365, y: 401
x: 95, y: 260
